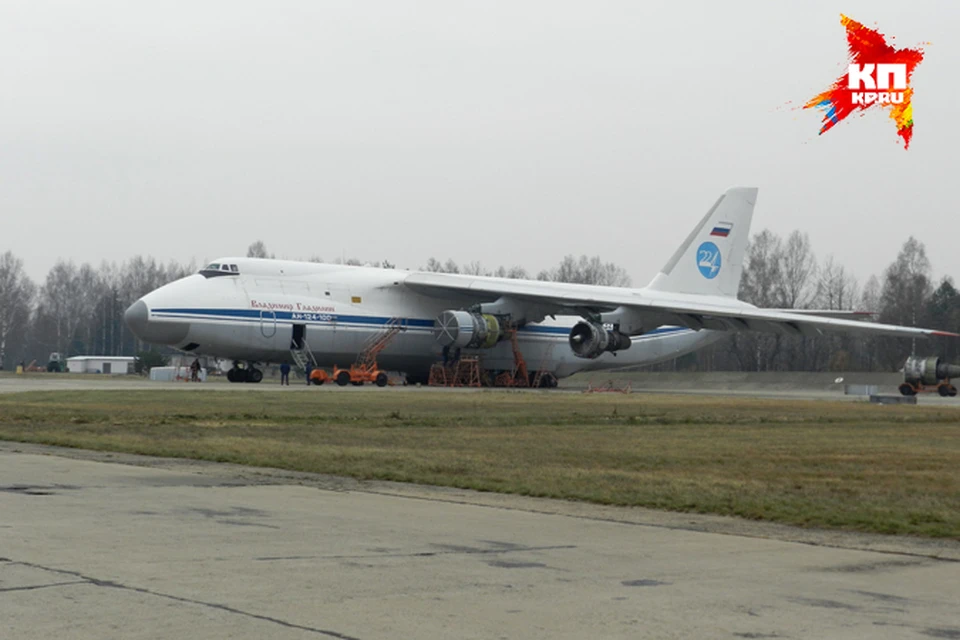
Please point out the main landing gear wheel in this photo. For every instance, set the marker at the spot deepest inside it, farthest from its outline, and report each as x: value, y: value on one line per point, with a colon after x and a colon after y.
x: 343, y: 378
x: 233, y: 375
x: 254, y: 375
x: 381, y: 379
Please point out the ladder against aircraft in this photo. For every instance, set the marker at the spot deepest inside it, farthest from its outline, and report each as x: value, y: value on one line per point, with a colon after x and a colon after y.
x: 365, y: 368
x: 302, y: 357
x: 378, y: 342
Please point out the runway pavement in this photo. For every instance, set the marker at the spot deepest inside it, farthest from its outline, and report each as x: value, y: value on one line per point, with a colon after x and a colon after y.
x: 97, y: 545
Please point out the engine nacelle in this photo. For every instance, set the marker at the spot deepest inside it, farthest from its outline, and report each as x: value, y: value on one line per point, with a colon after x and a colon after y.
x: 592, y: 340
x: 928, y: 371
x: 468, y: 329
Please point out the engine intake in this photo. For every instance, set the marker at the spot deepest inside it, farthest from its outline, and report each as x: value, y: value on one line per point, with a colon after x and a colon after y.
x: 468, y: 330
x: 592, y: 340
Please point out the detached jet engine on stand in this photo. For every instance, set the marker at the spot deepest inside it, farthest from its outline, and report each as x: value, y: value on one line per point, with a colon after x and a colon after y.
x: 926, y: 374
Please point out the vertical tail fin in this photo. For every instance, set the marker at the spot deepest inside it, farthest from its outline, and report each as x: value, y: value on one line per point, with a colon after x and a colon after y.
x: 710, y: 260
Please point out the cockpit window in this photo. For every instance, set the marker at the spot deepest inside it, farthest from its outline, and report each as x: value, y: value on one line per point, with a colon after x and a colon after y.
x: 215, y: 269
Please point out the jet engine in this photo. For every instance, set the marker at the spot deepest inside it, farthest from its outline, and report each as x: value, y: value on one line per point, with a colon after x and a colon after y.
x: 928, y: 371
x: 468, y: 329
x: 591, y: 340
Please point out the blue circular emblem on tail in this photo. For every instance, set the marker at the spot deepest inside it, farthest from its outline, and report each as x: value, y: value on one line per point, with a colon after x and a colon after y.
x: 708, y: 260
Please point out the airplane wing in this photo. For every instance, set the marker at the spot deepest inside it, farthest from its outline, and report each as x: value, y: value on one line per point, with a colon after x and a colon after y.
x: 833, y: 313
x: 694, y: 312
x: 697, y: 288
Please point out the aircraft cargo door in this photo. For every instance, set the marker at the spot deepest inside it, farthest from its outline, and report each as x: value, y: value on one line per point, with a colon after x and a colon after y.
x: 270, y: 318
x: 299, y: 332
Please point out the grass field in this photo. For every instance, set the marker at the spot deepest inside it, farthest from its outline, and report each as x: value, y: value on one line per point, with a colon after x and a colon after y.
x: 844, y: 465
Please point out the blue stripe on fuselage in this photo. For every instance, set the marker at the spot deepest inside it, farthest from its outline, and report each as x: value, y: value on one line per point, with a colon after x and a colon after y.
x: 306, y: 316
x: 254, y: 315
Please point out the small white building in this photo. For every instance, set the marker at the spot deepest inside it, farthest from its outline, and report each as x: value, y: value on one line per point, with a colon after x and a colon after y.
x: 115, y: 365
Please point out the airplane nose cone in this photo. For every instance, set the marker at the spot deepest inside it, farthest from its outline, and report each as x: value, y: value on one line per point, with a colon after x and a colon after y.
x: 138, y: 319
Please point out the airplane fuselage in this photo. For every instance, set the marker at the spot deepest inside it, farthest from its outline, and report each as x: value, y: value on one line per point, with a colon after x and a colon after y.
x: 256, y: 312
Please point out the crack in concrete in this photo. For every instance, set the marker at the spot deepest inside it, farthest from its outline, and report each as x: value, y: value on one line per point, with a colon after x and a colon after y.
x: 241, y: 523
x: 884, y: 597
x: 37, y: 490
x: 43, y: 586
x: 825, y: 604
x: 879, y: 565
x: 421, y: 554
x: 212, y: 605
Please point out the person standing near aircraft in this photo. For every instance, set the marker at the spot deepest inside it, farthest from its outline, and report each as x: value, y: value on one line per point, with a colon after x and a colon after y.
x: 309, y: 370
x: 285, y: 374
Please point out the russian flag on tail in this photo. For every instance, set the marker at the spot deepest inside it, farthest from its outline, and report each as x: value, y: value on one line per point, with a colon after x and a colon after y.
x: 722, y: 229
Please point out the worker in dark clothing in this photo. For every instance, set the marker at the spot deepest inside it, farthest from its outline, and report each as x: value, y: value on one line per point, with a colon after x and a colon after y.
x: 285, y: 374
x: 309, y: 370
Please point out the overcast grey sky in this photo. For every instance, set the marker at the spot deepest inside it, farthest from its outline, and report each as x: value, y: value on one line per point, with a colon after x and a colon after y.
x: 506, y: 132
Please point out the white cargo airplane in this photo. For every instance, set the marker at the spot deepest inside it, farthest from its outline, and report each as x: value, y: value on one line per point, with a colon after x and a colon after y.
x: 253, y: 311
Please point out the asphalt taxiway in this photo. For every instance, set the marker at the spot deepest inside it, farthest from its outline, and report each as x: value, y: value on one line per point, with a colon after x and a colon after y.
x: 98, y: 545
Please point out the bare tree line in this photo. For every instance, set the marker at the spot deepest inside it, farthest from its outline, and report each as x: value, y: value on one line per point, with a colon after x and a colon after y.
x: 785, y: 273
x: 78, y: 310
x: 582, y: 270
